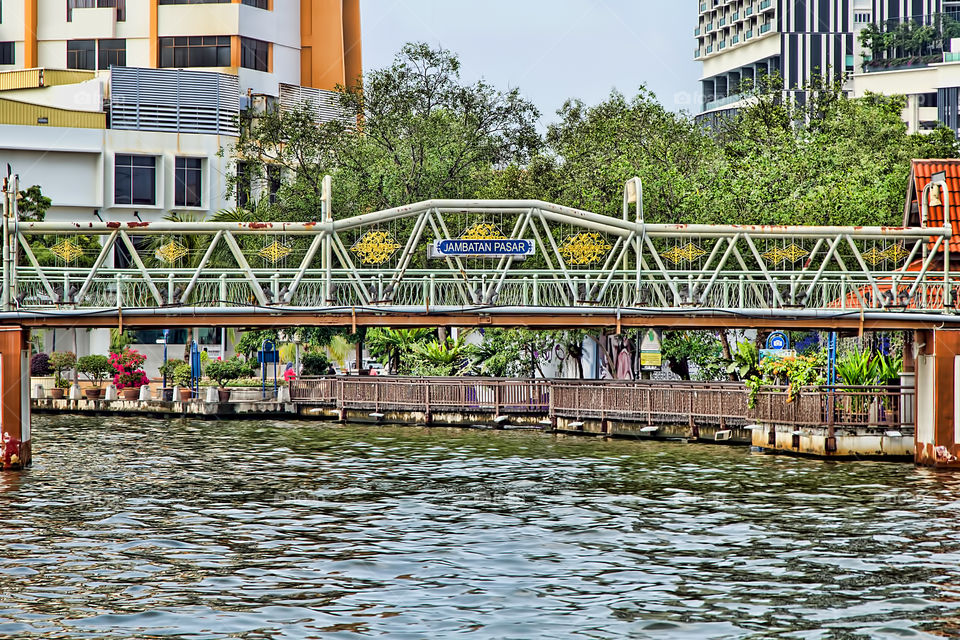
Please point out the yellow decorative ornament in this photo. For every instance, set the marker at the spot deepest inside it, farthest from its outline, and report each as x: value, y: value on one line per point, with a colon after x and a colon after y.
x: 688, y: 252
x: 896, y: 253
x: 67, y: 250
x: 274, y: 252
x: 791, y: 253
x: 873, y: 257
x: 170, y: 252
x: 584, y: 248
x: 375, y: 247
x: 483, y: 231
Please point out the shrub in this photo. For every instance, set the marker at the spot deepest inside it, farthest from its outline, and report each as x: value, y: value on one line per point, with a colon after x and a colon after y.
x: 126, y: 366
x: 95, y: 367
x: 315, y: 364
x: 40, y: 365
x: 182, y: 374
x: 168, y: 367
x: 59, y: 362
x: 225, y: 370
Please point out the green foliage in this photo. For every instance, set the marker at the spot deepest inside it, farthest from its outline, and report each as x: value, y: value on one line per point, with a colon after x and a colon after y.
x: 32, y: 205
x: 95, y: 367
x: 167, y: 368
x: 513, y: 352
x: 120, y: 340
x: 313, y: 337
x: 746, y: 361
x: 60, y: 361
x: 452, y: 357
x: 225, y: 370
x: 702, y: 348
x: 394, y: 346
x: 315, y: 363
x: 796, y: 372
x: 182, y: 374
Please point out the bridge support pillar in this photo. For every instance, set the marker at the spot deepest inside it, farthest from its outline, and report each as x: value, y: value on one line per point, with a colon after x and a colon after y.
x: 15, y: 443
x: 937, y: 405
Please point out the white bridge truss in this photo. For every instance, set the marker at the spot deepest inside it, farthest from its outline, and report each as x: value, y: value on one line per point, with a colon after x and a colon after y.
x: 380, y: 260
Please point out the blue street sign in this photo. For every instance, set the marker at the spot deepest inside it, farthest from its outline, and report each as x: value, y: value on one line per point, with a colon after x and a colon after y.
x: 484, y: 248
x: 778, y: 340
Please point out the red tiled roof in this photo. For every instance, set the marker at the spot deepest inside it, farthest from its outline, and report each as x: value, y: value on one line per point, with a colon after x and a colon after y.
x: 920, y: 175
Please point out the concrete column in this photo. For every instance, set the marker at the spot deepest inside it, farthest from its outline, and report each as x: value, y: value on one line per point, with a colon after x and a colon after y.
x: 15, y: 389
x: 937, y: 407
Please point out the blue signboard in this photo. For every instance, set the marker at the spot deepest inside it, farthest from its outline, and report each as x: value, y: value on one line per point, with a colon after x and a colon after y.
x: 778, y: 340
x: 484, y: 248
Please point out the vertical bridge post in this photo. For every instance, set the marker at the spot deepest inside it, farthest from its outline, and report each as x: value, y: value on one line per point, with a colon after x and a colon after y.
x: 15, y: 442
x: 937, y: 409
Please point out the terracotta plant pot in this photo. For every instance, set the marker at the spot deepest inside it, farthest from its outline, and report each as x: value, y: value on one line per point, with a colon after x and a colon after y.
x: 93, y: 394
x: 130, y: 393
x: 57, y: 393
x: 224, y: 395
x: 185, y: 395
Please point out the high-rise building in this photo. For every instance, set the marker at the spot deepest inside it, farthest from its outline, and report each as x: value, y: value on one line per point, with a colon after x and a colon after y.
x: 799, y: 40
x: 740, y: 40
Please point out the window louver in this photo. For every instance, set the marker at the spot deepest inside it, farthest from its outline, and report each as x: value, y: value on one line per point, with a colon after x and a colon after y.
x: 174, y: 100
x: 325, y: 103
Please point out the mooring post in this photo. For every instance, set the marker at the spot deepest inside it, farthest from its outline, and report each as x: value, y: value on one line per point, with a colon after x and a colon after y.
x: 15, y: 445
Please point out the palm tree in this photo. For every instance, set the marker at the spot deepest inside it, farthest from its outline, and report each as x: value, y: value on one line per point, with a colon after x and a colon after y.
x: 393, y: 343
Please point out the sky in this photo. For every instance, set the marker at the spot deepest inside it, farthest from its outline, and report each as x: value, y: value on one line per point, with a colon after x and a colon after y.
x: 551, y: 50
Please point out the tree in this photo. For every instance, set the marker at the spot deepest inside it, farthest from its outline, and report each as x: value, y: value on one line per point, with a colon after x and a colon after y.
x: 32, y: 205
x: 393, y: 345
x: 701, y: 348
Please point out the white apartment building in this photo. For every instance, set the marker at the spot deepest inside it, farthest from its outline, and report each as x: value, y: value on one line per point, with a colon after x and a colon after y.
x: 127, y: 109
x: 741, y: 39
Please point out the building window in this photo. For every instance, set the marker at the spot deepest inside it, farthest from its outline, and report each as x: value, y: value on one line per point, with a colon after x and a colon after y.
x: 135, y: 180
x: 244, y: 173
x: 6, y: 53
x: 259, y: 4
x: 273, y: 182
x: 195, y: 1
x: 195, y: 51
x: 861, y: 18
x: 188, y: 174
x: 254, y: 54
x: 119, y: 5
x: 81, y: 54
x: 112, y: 53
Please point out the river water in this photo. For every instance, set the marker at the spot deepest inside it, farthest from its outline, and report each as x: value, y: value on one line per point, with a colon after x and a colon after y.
x: 134, y: 528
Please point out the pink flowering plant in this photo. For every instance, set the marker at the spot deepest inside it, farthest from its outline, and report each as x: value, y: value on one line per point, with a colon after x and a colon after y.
x: 127, y: 365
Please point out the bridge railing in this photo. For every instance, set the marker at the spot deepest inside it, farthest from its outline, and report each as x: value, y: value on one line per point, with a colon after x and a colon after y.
x: 854, y: 407
x: 692, y: 403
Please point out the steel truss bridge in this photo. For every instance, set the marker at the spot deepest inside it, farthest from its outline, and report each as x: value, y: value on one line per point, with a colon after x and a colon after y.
x: 382, y: 268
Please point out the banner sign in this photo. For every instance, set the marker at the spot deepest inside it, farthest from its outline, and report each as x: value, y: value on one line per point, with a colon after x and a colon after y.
x: 482, y: 248
x: 651, y: 356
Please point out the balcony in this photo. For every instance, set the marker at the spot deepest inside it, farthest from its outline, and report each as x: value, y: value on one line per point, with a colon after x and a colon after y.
x: 723, y: 21
x: 734, y: 40
x: 766, y: 27
x: 766, y: 4
x: 735, y: 17
x: 696, y: 31
x: 710, y: 48
x: 723, y: 43
x: 748, y: 35
x: 709, y: 26
x: 722, y: 102
x: 748, y: 12
x: 703, y: 7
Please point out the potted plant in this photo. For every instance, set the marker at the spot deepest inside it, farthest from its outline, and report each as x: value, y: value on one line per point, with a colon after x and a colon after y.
x: 223, y: 371
x: 166, y: 370
x: 96, y: 368
x: 182, y: 377
x: 60, y: 361
x: 128, y: 376
x: 40, y: 370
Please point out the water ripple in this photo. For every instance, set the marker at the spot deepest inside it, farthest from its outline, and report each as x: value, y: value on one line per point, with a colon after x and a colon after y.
x: 149, y: 529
